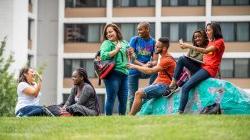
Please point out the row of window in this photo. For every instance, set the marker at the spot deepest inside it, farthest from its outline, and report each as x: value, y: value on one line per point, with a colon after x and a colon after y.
x: 230, y: 68
x: 175, y: 31
x: 232, y: 31
x: 84, y: 3
x: 93, y: 32
x: 231, y: 2
x: 235, y: 31
x: 151, y: 3
x: 83, y: 32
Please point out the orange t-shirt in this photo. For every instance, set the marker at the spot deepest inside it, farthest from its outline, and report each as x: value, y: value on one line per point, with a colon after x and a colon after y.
x: 168, y: 64
x: 212, y: 60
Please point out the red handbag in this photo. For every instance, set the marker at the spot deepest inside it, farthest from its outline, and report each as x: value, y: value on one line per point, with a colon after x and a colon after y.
x: 103, y: 68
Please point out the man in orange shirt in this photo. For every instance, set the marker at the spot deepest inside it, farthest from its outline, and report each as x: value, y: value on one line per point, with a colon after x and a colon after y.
x: 165, y: 69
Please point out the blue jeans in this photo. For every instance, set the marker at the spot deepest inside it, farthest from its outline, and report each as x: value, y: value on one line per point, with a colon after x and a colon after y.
x: 30, y: 111
x: 133, y: 82
x: 155, y: 90
x: 198, y: 75
x: 116, y: 84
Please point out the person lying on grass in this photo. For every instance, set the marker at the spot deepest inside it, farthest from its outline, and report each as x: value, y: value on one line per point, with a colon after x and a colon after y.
x: 165, y: 69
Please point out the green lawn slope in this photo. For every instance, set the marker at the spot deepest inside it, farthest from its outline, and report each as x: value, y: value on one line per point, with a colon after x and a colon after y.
x: 173, y: 127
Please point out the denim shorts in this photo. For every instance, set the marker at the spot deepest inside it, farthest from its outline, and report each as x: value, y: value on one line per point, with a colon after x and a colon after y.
x: 155, y: 90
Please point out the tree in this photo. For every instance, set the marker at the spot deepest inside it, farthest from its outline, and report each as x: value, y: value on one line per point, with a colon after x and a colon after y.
x: 7, y: 84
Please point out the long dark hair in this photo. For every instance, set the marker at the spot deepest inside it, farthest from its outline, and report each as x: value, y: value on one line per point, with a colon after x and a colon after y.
x: 116, y: 29
x: 82, y: 72
x: 217, y: 34
x: 21, y: 77
x: 205, y: 40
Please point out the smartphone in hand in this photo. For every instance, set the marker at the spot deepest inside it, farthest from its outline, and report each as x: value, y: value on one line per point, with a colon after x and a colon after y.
x: 181, y: 41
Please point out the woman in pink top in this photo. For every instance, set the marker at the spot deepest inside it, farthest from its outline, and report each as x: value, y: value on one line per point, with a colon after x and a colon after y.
x: 212, y: 58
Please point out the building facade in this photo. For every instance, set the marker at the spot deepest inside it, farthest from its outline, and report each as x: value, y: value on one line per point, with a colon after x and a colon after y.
x: 69, y: 34
x: 18, y: 22
x: 82, y: 22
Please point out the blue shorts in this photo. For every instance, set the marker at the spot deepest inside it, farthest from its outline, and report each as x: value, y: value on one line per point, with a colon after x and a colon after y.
x: 155, y: 90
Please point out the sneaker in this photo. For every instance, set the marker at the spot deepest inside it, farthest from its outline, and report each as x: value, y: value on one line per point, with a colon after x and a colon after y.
x: 172, y: 85
x: 172, y: 91
x: 180, y: 112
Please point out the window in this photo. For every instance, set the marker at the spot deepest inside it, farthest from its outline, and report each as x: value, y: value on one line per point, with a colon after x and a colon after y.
x: 175, y: 31
x: 72, y: 64
x: 227, y: 68
x: 235, y: 68
x: 235, y: 31
x: 134, y: 3
x: 29, y: 28
x: 130, y: 29
x: 230, y: 2
x: 241, y: 68
x: 30, y: 2
x: 183, y: 2
x: 228, y: 31
x: 242, y: 31
x: 30, y: 59
x: 83, y: 32
x: 84, y: 3
x: 65, y: 97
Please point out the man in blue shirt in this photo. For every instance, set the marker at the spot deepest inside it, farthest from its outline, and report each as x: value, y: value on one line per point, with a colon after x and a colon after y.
x: 144, y: 47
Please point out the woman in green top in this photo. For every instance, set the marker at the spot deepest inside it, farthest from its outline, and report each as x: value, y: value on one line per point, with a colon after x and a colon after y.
x: 116, y: 83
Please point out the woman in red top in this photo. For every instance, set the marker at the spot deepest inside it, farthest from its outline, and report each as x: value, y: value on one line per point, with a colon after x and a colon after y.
x: 212, y: 58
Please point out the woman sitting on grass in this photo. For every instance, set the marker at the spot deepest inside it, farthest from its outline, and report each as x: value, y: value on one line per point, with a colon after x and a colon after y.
x: 28, y: 92
x: 83, y: 99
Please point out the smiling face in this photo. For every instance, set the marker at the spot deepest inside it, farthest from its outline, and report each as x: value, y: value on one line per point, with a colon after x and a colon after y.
x: 77, y: 79
x: 198, y: 38
x: 111, y: 34
x: 209, y: 32
x: 142, y: 31
x: 30, y: 75
x: 158, y: 47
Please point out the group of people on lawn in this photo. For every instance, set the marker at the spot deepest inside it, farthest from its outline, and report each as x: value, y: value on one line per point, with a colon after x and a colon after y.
x: 141, y: 58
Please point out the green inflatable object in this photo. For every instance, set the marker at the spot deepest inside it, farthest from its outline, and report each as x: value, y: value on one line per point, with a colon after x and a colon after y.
x: 232, y: 100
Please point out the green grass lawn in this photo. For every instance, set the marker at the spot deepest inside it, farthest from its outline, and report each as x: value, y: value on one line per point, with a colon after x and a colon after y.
x: 173, y: 127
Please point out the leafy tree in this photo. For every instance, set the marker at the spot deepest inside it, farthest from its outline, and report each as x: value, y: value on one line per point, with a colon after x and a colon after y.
x: 7, y: 84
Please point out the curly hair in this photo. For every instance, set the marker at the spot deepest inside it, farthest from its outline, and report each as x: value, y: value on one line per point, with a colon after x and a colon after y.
x: 205, y: 40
